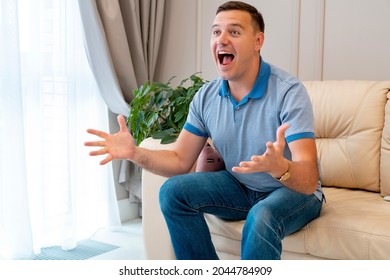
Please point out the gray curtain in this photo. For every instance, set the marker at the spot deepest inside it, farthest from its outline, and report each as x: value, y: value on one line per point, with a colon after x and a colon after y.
x: 122, y: 39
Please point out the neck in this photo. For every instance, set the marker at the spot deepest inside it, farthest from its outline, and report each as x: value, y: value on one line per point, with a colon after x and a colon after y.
x: 241, y: 88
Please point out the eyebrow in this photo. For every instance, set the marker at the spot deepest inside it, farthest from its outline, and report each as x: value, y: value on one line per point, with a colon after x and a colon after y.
x: 229, y: 25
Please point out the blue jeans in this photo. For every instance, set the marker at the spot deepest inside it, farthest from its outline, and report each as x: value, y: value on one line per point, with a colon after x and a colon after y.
x: 269, y: 216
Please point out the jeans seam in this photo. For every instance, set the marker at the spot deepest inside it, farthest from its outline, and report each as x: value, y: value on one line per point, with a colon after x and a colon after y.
x: 303, y: 206
x: 221, y: 206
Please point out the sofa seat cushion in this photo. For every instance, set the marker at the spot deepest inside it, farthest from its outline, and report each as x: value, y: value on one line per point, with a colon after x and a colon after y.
x: 354, y: 224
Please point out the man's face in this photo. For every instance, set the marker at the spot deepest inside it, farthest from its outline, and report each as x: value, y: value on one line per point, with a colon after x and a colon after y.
x: 235, y: 44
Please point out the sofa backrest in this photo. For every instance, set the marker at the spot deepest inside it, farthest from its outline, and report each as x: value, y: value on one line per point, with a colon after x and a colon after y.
x: 349, y: 117
x: 385, y: 152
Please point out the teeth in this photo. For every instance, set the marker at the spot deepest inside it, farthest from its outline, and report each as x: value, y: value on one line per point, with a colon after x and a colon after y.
x: 223, y: 52
x: 225, y: 57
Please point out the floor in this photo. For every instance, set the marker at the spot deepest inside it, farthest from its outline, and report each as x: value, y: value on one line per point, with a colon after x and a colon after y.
x: 129, y: 241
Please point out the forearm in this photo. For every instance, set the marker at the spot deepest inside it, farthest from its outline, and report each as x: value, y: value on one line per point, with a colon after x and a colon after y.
x: 303, y: 177
x: 166, y: 163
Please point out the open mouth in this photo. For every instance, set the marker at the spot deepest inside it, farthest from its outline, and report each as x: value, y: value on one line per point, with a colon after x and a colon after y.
x: 225, y: 57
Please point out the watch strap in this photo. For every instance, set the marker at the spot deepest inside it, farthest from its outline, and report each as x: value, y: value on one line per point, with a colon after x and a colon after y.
x: 287, y: 174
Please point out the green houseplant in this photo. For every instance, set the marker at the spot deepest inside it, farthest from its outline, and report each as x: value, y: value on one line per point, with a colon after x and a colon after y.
x: 160, y: 110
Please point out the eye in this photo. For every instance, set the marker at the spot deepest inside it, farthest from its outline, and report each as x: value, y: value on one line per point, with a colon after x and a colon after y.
x: 216, y: 32
x: 235, y: 32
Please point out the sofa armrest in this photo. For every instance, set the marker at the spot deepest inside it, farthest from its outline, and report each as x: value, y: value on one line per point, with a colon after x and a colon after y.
x: 156, y: 237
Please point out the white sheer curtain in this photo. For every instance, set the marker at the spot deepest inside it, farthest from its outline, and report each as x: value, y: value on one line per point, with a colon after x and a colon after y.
x: 51, y: 191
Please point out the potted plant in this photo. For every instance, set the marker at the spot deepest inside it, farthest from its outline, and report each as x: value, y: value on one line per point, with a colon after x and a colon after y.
x: 160, y: 110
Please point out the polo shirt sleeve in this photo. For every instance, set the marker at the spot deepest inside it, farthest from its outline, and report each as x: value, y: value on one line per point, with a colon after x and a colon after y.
x: 195, y: 123
x: 297, y: 111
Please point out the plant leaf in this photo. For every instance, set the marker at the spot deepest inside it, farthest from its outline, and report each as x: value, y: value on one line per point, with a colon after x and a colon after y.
x: 159, y: 110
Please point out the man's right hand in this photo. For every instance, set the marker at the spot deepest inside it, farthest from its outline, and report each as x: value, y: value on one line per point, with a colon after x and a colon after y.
x: 117, y: 146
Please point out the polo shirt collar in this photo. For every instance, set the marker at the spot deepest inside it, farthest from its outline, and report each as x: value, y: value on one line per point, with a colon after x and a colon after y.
x: 260, y: 85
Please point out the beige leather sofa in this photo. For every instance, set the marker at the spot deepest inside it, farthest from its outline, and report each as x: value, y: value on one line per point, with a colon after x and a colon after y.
x: 352, y: 127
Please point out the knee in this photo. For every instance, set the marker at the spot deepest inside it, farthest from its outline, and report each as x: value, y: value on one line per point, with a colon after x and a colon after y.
x: 170, y: 194
x: 165, y: 194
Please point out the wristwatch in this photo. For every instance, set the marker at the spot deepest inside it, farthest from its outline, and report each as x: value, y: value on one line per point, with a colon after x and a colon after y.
x: 286, y: 175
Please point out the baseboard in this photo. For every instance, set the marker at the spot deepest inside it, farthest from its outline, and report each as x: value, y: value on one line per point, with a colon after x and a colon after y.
x: 128, y: 210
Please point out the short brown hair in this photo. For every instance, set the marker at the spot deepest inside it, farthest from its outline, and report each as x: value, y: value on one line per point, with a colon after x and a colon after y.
x: 241, y: 6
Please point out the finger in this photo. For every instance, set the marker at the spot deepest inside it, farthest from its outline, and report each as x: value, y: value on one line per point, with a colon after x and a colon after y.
x: 95, y: 144
x: 98, y: 133
x: 270, y: 149
x: 106, y: 160
x: 98, y: 152
x: 280, y: 133
x: 246, y: 165
x: 255, y: 158
x: 240, y: 169
x: 122, y: 123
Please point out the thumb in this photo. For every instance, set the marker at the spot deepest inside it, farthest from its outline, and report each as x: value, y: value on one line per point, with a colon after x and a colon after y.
x: 122, y: 123
x: 280, y: 133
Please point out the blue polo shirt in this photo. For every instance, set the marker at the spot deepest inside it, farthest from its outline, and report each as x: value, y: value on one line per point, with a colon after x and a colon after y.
x: 240, y: 130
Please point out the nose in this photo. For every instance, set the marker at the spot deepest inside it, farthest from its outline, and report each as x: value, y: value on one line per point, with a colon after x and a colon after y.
x: 223, y: 38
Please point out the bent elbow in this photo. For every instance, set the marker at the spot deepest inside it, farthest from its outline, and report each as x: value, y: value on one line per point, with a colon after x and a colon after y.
x: 312, y: 187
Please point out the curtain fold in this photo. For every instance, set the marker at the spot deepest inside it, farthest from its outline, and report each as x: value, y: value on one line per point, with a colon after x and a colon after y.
x: 51, y: 191
x: 99, y: 58
x: 122, y: 38
x: 15, y: 227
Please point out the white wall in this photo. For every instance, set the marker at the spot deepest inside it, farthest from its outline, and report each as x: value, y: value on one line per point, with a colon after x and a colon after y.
x: 312, y: 39
x: 357, y: 39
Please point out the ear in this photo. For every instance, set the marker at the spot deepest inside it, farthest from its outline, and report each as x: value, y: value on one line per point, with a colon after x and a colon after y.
x: 259, y: 41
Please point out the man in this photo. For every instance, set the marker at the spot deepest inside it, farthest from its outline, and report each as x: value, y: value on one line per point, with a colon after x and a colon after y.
x: 261, y: 122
